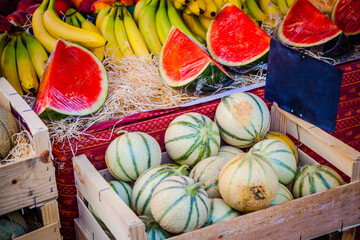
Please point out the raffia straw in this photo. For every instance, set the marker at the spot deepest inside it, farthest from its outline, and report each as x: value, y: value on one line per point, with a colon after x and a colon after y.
x: 22, y: 149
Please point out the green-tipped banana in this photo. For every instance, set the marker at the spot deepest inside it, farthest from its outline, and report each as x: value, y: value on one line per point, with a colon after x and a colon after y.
x: 162, y: 22
x: 100, y: 17
x: 194, y: 24
x: 100, y: 51
x: 205, y: 22
x: 75, y: 22
x: 177, y: 21
x: 255, y: 10
x: 40, y: 32
x: 4, y: 39
x: 107, y: 30
x: 147, y: 27
x: 140, y: 5
x: 283, y: 6
x: 26, y: 70
x: 37, y: 53
x: 8, y: 66
x: 120, y: 34
x: 56, y: 27
x: 137, y: 42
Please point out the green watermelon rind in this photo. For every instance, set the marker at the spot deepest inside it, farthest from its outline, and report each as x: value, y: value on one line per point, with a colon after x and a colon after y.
x: 294, y: 44
x: 333, y: 19
x: 166, y: 78
x: 55, y: 113
x: 229, y: 63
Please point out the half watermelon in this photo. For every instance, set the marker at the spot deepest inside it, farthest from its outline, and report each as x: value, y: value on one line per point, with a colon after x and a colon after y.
x: 74, y: 83
x: 305, y: 26
x: 233, y: 39
x: 183, y: 62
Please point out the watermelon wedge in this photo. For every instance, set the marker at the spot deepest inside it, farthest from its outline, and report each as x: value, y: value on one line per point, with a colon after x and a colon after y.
x: 183, y: 60
x: 233, y: 39
x: 74, y: 83
x: 305, y: 26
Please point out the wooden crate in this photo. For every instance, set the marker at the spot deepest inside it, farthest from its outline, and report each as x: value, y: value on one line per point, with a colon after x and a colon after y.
x: 336, y: 209
x: 29, y: 182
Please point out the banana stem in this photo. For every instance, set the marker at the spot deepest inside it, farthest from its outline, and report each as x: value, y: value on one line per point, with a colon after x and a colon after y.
x: 75, y: 22
x: 51, y: 6
x: 80, y: 17
x: 44, y: 5
x: 70, y: 12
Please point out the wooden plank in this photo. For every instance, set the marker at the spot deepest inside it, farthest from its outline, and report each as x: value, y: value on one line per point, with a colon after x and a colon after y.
x: 118, y: 217
x: 305, y: 159
x: 49, y: 232
x: 50, y: 213
x: 302, y: 218
x: 80, y: 230
x: 27, y: 183
x: 333, y: 150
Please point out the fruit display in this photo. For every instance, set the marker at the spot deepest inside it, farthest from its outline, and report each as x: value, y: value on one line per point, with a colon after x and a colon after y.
x: 8, y: 128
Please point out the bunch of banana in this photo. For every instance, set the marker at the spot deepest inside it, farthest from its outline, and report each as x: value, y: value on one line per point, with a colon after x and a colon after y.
x: 266, y: 11
x: 48, y: 27
x: 22, y: 61
x: 205, y: 8
x: 121, y: 32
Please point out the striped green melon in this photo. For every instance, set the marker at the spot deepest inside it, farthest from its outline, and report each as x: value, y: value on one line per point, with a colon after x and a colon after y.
x: 243, y: 119
x: 131, y: 154
x: 220, y: 211
x: 283, y: 195
x: 122, y: 189
x: 315, y: 178
x: 152, y: 229
x: 179, y: 204
x: 285, y: 139
x: 280, y: 156
x: 248, y: 182
x: 148, y: 181
x: 8, y: 127
x: 207, y: 171
x: 229, y: 152
x: 192, y: 137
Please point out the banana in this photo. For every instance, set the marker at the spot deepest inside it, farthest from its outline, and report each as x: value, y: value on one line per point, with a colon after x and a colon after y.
x: 236, y: 3
x: 290, y: 2
x: 26, y: 70
x: 100, y: 17
x: 137, y: 42
x: 3, y: 42
x: 176, y: 20
x: 140, y: 5
x: 58, y: 28
x: 205, y: 22
x: 147, y: 27
x: 283, y: 6
x: 75, y: 22
x: 219, y: 3
x: 100, y: 51
x: 178, y: 5
x: 269, y: 8
x: 8, y: 66
x: 68, y: 20
x: 193, y: 23
x: 211, y: 9
x: 162, y: 22
x: 120, y: 34
x: 255, y: 11
x: 40, y: 32
x: 195, y: 8
x: 37, y: 53
x: 107, y: 30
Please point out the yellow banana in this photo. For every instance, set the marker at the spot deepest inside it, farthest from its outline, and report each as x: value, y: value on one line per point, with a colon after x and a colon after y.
x: 8, y: 66
x: 139, y: 6
x: 100, y: 51
x: 290, y: 2
x: 37, y: 53
x: 219, y: 3
x: 137, y: 42
x: 107, y: 30
x: 269, y: 8
x: 120, y: 34
x: 255, y: 11
x: 178, y: 5
x: 193, y: 23
x: 58, y: 28
x: 100, y: 17
x: 177, y: 21
x: 3, y: 42
x: 236, y: 3
x: 40, y: 32
x: 205, y: 22
x: 195, y: 8
x: 26, y: 70
x: 283, y: 6
x: 147, y: 27
x: 211, y: 9
x: 162, y: 22
x: 182, y: 2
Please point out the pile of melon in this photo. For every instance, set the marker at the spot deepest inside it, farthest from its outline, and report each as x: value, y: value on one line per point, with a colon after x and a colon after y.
x: 221, y: 169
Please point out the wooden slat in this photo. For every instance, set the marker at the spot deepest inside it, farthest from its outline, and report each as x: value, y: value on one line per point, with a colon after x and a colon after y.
x: 333, y: 150
x: 27, y: 183
x: 49, y: 232
x: 80, y: 231
x: 118, y: 217
x: 303, y: 218
x: 305, y: 159
x: 50, y: 213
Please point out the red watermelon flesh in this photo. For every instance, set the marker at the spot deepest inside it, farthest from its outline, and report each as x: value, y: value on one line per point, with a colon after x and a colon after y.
x: 305, y: 26
x: 346, y: 15
x: 233, y: 39
x: 74, y: 82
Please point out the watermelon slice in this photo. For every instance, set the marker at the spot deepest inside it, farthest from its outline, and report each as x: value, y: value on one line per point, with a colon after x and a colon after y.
x: 305, y: 26
x: 74, y: 83
x: 233, y: 39
x: 183, y: 60
x: 346, y: 15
